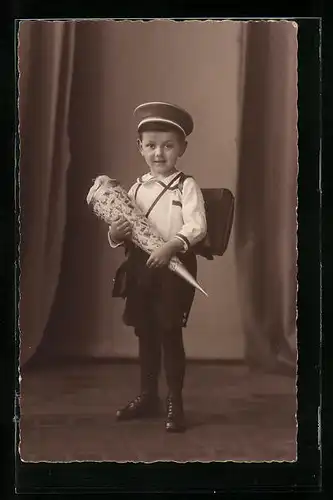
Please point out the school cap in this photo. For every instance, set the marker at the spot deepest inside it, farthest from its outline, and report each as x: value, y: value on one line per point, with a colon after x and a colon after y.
x: 164, y: 112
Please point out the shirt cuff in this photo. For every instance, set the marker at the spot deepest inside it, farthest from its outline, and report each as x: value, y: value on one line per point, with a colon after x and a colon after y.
x: 113, y: 244
x: 184, y: 240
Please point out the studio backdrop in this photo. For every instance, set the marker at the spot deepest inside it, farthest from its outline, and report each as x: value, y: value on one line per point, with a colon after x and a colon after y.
x: 78, y: 85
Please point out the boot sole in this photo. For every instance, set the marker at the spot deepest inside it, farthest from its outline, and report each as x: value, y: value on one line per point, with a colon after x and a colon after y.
x: 151, y: 415
x: 175, y: 430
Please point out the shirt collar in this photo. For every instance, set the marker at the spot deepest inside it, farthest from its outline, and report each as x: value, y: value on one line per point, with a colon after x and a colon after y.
x: 149, y: 177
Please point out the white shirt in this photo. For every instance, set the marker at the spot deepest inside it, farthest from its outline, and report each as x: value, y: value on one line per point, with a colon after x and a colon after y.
x: 178, y: 213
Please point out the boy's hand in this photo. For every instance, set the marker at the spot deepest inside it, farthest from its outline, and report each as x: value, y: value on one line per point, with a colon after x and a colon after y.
x: 160, y: 257
x: 120, y: 230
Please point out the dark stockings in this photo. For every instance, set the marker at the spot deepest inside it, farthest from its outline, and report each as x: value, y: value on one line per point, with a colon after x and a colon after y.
x: 151, y: 344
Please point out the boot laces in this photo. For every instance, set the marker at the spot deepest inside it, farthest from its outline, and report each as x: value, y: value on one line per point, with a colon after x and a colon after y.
x: 135, y: 401
x: 170, y: 407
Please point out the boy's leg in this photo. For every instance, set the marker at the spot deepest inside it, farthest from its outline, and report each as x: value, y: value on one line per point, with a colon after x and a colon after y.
x: 174, y: 365
x: 150, y: 361
x: 147, y: 403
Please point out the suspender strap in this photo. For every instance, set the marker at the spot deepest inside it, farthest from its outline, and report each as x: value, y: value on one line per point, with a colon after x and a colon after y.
x: 157, y: 199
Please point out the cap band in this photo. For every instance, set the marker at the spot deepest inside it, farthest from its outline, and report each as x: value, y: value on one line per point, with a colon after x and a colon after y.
x: 161, y: 120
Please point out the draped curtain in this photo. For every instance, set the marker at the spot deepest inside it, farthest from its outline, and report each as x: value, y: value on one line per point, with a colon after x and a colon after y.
x: 266, y: 238
x: 45, y: 53
x: 50, y: 57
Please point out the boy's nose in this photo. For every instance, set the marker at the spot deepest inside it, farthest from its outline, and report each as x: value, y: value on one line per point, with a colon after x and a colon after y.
x: 158, y: 153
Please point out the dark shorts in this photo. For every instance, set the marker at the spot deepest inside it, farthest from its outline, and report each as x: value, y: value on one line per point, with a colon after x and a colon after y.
x: 154, y: 296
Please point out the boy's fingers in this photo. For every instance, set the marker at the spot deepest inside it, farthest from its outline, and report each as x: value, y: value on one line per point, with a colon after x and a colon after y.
x: 123, y: 226
x: 155, y: 263
x: 124, y: 223
x: 150, y: 262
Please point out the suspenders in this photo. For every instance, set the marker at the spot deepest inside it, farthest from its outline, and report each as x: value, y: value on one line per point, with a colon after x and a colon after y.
x: 157, y: 199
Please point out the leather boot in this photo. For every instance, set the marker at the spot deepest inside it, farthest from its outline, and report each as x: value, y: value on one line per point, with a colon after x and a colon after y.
x: 175, y: 421
x: 174, y: 364
x: 143, y: 406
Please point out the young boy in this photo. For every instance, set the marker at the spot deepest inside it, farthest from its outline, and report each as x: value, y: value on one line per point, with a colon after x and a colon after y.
x: 158, y: 302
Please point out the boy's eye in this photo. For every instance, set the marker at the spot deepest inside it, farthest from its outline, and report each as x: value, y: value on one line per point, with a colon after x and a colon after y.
x: 169, y: 146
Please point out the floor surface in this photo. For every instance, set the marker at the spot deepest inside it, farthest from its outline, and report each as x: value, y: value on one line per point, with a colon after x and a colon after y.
x: 67, y: 414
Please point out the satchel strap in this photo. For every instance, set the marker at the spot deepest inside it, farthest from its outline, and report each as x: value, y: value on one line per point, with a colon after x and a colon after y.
x: 182, y: 179
x: 136, y: 191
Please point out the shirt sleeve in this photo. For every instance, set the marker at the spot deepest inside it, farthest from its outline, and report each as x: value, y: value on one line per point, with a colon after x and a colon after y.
x: 132, y: 190
x: 194, y: 214
x: 114, y: 244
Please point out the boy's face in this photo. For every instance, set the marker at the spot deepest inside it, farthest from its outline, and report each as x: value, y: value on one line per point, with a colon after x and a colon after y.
x: 161, y: 151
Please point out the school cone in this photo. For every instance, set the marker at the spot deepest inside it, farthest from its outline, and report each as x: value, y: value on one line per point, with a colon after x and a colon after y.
x: 176, y: 266
x: 109, y: 200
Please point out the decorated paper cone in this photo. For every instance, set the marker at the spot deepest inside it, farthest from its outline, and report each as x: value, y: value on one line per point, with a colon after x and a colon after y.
x: 109, y: 201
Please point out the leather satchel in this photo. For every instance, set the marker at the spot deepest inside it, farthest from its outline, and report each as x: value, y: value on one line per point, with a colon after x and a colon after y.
x: 219, y: 204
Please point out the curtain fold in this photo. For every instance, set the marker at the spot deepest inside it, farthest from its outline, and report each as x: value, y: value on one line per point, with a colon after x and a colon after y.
x: 267, y: 197
x: 45, y: 59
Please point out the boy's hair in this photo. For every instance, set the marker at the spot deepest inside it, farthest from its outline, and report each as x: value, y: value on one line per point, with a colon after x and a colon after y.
x: 160, y: 127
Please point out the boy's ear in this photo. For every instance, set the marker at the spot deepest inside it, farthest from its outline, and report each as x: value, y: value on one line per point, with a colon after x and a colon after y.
x: 139, y: 144
x: 183, y: 149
